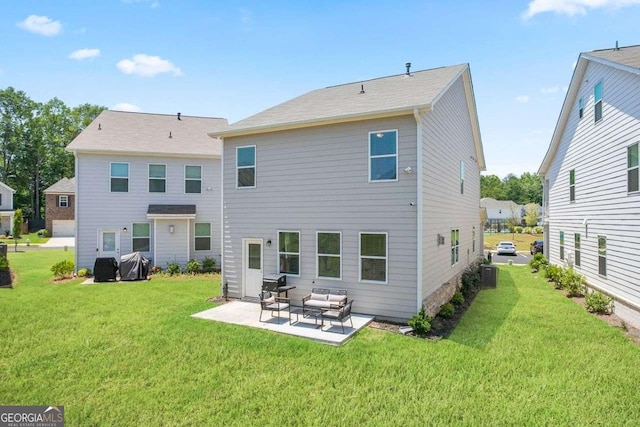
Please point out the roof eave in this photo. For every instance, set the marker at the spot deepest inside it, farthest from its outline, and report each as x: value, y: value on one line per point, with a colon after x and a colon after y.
x: 76, y: 151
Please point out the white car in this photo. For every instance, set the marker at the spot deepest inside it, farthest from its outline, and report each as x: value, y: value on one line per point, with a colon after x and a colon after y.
x: 506, y: 248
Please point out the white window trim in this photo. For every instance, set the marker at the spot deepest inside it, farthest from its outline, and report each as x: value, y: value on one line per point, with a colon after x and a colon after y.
x: 577, y: 250
x: 149, y: 178
x: 128, y: 176
x: 147, y: 237
x: 602, y: 256
x: 396, y: 155
x: 66, y: 201
x: 572, y: 186
x: 255, y: 167
x: 210, y: 236
x: 595, y: 102
x: 318, y: 255
x: 278, y: 253
x: 561, y: 244
x: 580, y: 108
x: 456, y: 246
x: 633, y: 167
x: 184, y: 188
x: 386, y: 258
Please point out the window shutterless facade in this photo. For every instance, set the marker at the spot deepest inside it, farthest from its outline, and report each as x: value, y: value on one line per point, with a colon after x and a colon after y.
x: 246, y: 167
x: 119, y: 174
x: 597, y: 96
x: 141, y: 237
x: 572, y: 185
x: 373, y: 257
x: 633, y: 181
x: 193, y: 179
x: 602, y: 255
x: 329, y: 254
x: 202, y: 236
x: 576, y: 246
x: 383, y: 156
x: 562, y: 245
x: 63, y: 201
x: 157, y: 178
x: 289, y: 252
x: 455, y: 246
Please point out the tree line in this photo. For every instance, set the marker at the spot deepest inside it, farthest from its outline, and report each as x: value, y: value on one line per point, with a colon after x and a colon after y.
x: 522, y: 190
x: 33, y: 137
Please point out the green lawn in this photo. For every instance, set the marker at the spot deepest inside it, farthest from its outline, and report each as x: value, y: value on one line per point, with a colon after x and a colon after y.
x: 129, y: 354
x: 34, y: 239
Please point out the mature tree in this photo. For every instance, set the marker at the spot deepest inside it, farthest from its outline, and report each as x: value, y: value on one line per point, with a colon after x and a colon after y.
x: 531, y: 214
x: 492, y: 186
x: 531, y: 184
x: 16, y: 109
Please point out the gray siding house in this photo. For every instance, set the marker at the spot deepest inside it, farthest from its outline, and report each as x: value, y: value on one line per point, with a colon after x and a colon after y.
x: 591, y: 183
x: 372, y: 186
x: 148, y: 183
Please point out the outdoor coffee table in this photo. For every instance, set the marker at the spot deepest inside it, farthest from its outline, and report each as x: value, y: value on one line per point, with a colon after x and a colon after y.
x: 306, y: 313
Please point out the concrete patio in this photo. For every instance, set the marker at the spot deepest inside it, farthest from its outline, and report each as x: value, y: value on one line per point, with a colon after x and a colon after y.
x: 248, y: 314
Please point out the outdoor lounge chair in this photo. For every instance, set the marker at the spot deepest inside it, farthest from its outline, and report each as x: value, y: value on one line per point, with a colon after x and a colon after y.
x: 338, y: 313
x: 269, y: 302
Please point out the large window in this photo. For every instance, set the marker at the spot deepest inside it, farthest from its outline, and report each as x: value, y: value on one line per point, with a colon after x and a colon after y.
x: 597, y: 96
x: 461, y: 177
x: 119, y: 177
x: 141, y: 236
x: 157, y: 178
x: 632, y: 168
x: 562, y: 245
x: 289, y: 252
x: 572, y: 185
x: 202, y: 236
x: 383, y: 155
x: 455, y: 246
x: 63, y: 201
x: 193, y: 179
x: 373, y: 257
x: 329, y: 251
x: 576, y: 246
x: 246, y: 166
x: 602, y: 255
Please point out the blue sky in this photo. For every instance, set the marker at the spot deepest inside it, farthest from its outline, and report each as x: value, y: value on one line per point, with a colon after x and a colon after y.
x: 235, y: 58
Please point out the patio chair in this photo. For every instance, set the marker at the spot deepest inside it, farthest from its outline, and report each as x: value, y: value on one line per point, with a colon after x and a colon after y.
x: 338, y: 313
x: 269, y: 302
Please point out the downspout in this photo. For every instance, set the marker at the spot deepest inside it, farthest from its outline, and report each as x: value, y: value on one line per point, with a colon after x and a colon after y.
x: 75, y: 210
x: 420, y: 213
x: 223, y: 289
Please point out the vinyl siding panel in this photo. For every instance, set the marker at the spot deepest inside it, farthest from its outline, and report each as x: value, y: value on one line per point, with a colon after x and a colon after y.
x: 7, y: 199
x: 447, y: 140
x: 98, y: 208
x: 598, y: 153
x: 316, y: 179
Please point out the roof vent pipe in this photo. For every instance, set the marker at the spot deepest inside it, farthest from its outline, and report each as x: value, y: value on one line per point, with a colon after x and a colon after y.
x: 408, y: 65
x: 179, y: 116
x: 361, y: 88
x: 99, y: 126
x: 617, y: 48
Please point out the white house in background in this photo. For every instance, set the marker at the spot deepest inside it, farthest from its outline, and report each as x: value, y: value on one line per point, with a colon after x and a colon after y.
x: 500, y: 212
x: 148, y: 183
x: 372, y: 186
x: 591, y: 177
x: 6, y: 209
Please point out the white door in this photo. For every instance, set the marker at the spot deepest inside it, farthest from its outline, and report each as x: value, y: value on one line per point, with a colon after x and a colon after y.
x: 252, y: 267
x: 109, y: 244
x: 63, y: 228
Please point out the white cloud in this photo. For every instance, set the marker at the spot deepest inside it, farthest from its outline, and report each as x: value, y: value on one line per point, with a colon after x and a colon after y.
x: 153, y: 3
x: 125, y: 106
x: 573, y: 7
x: 550, y: 90
x: 42, y: 25
x: 84, y: 54
x: 148, y: 66
x: 522, y: 99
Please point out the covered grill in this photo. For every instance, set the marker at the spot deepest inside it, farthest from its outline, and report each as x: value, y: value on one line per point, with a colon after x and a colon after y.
x: 134, y: 266
x: 104, y: 269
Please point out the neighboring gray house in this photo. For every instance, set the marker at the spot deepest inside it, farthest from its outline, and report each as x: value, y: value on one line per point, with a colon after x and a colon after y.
x: 501, y: 212
x: 6, y: 209
x: 59, y: 212
x: 591, y: 178
x: 372, y: 186
x: 147, y: 183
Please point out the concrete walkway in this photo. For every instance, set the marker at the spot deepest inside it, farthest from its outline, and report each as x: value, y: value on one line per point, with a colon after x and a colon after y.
x: 59, y: 242
x: 248, y: 314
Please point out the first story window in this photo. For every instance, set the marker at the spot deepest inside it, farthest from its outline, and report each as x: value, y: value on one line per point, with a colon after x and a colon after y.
x: 455, y: 246
x: 202, y: 236
x: 576, y: 246
x: 246, y: 166
x: 141, y: 236
x: 602, y: 255
x: 157, y: 178
x: 289, y: 252
x: 329, y: 253
x: 193, y: 179
x: 119, y: 174
x: 63, y: 201
x: 632, y: 169
x: 562, y: 245
x: 373, y: 257
x: 383, y: 156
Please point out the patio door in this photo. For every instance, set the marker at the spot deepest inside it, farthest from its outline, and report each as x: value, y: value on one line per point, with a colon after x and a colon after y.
x: 109, y: 244
x: 252, y: 267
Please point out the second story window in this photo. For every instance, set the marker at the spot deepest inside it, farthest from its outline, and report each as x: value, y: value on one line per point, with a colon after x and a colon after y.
x: 157, y: 178
x: 461, y: 177
x: 193, y: 179
x: 246, y: 167
x: 632, y: 169
x: 383, y: 156
x: 580, y: 108
x: 63, y: 201
x: 597, y: 96
x: 572, y: 185
x: 119, y: 177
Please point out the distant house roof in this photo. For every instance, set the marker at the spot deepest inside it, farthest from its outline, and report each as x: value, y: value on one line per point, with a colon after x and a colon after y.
x: 382, y: 97
x: 149, y: 134
x: 64, y: 186
x: 622, y: 58
x: 489, y: 203
x: 6, y: 187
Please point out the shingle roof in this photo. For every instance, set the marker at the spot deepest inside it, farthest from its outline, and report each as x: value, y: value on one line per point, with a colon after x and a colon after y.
x: 142, y: 133
x: 171, y: 210
x: 383, y: 95
x: 64, y: 186
x: 628, y: 55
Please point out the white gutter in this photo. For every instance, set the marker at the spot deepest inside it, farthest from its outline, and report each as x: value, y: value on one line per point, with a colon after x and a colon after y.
x: 420, y: 213
x: 75, y: 209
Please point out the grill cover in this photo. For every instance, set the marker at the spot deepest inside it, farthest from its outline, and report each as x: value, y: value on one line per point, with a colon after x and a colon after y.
x: 104, y: 270
x: 134, y: 266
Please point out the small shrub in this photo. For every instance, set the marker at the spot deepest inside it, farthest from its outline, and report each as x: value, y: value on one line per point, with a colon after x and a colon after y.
x: 527, y: 230
x: 447, y: 310
x: 573, y: 283
x: 597, y: 302
x: 517, y: 229
x: 486, y: 261
x: 173, y: 268
x: 209, y: 264
x: 457, y: 298
x: 470, y: 280
x: 84, y: 272
x: 552, y: 272
x: 421, y: 323
x: 538, y: 261
x: 193, y: 266
x: 4, y: 263
x: 156, y: 269
x: 63, y: 269
x: 43, y: 233
x: 538, y: 230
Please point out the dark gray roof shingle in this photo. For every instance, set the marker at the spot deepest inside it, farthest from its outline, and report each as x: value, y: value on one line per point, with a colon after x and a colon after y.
x: 171, y: 210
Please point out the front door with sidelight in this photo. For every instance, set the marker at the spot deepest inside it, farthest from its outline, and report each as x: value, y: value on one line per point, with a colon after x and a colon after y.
x: 252, y: 267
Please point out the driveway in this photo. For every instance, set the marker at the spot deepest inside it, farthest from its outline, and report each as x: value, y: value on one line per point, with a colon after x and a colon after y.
x: 521, y: 258
x: 60, y: 242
